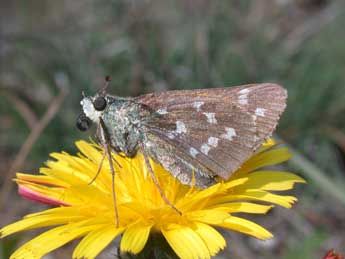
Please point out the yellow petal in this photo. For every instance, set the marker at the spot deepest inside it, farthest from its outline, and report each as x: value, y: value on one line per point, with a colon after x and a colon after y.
x: 135, y: 237
x: 246, y: 207
x: 270, y: 157
x: 271, y: 181
x: 207, y: 216
x: 206, y: 193
x: 259, y: 195
x: 42, y: 179
x: 211, y: 237
x: 268, y: 144
x: 90, y: 151
x: 92, y: 244
x: 50, y: 240
x: 186, y: 243
x: 235, y: 182
x: 201, y: 198
x: 246, y: 227
x: 48, y: 218
x: 54, y: 193
x: 65, y: 173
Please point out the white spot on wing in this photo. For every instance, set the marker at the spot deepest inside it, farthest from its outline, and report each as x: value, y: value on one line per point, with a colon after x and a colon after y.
x: 244, y: 91
x: 193, y: 152
x: 243, y: 96
x: 197, y: 105
x: 205, y: 149
x: 230, y: 133
x: 212, y: 141
x: 260, y: 112
x: 180, y: 127
x: 170, y: 135
x: 243, y: 101
x: 162, y: 111
x: 211, y: 117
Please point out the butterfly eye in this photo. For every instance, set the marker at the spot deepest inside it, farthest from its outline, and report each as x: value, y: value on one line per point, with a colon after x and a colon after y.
x: 100, y: 103
x: 83, y: 122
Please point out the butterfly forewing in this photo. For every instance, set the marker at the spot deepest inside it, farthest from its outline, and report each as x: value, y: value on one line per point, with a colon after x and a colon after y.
x: 265, y: 102
x: 212, y: 131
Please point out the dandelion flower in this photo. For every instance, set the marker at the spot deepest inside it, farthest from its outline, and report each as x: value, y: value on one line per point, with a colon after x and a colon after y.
x: 86, y: 211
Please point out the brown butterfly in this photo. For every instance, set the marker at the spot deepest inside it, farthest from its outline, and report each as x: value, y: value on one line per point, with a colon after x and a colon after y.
x: 192, y: 133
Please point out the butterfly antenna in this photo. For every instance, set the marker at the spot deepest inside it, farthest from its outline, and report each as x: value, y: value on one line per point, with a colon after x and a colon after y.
x: 103, y: 90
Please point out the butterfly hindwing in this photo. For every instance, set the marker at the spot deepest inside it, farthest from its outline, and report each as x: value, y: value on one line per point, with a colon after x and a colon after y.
x: 174, y: 160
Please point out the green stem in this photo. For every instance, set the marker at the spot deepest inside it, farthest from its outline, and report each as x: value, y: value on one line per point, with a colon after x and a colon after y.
x: 317, y: 175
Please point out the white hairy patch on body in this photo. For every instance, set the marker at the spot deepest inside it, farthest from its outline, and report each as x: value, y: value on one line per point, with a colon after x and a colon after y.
x: 89, y: 110
x: 205, y: 149
x: 213, y: 141
x: 260, y: 112
x: 162, y: 111
x: 180, y: 127
x: 243, y: 96
x: 193, y: 152
x: 197, y: 105
x: 230, y: 133
x: 211, y: 117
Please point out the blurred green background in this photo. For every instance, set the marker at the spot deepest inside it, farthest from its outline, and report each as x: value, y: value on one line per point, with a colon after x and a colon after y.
x: 52, y: 50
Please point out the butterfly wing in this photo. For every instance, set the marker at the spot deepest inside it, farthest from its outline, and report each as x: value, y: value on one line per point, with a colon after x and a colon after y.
x: 210, y: 132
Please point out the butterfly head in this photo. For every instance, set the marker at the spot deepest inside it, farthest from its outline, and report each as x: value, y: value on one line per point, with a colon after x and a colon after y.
x: 92, y: 109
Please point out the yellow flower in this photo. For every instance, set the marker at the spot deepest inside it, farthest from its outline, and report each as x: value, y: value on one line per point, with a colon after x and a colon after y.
x: 87, y: 211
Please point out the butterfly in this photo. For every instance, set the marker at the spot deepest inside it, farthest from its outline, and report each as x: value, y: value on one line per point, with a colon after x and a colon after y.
x: 196, y: 135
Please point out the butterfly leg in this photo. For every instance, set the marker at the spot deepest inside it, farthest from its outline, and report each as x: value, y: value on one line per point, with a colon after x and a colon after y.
x: 155, y: 180
x: 107, y: 146
x: 99, y: 168
x: 111, y: 165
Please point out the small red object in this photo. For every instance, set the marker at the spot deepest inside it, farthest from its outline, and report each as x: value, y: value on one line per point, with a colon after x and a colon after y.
x: 332, y: 255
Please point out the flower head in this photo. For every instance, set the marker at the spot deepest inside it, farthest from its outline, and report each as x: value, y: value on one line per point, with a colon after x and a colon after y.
x: 86, y: 210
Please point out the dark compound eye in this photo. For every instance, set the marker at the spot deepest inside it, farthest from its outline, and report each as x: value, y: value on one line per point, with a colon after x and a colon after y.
x: 83, y: 122
x: 100, y: 103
